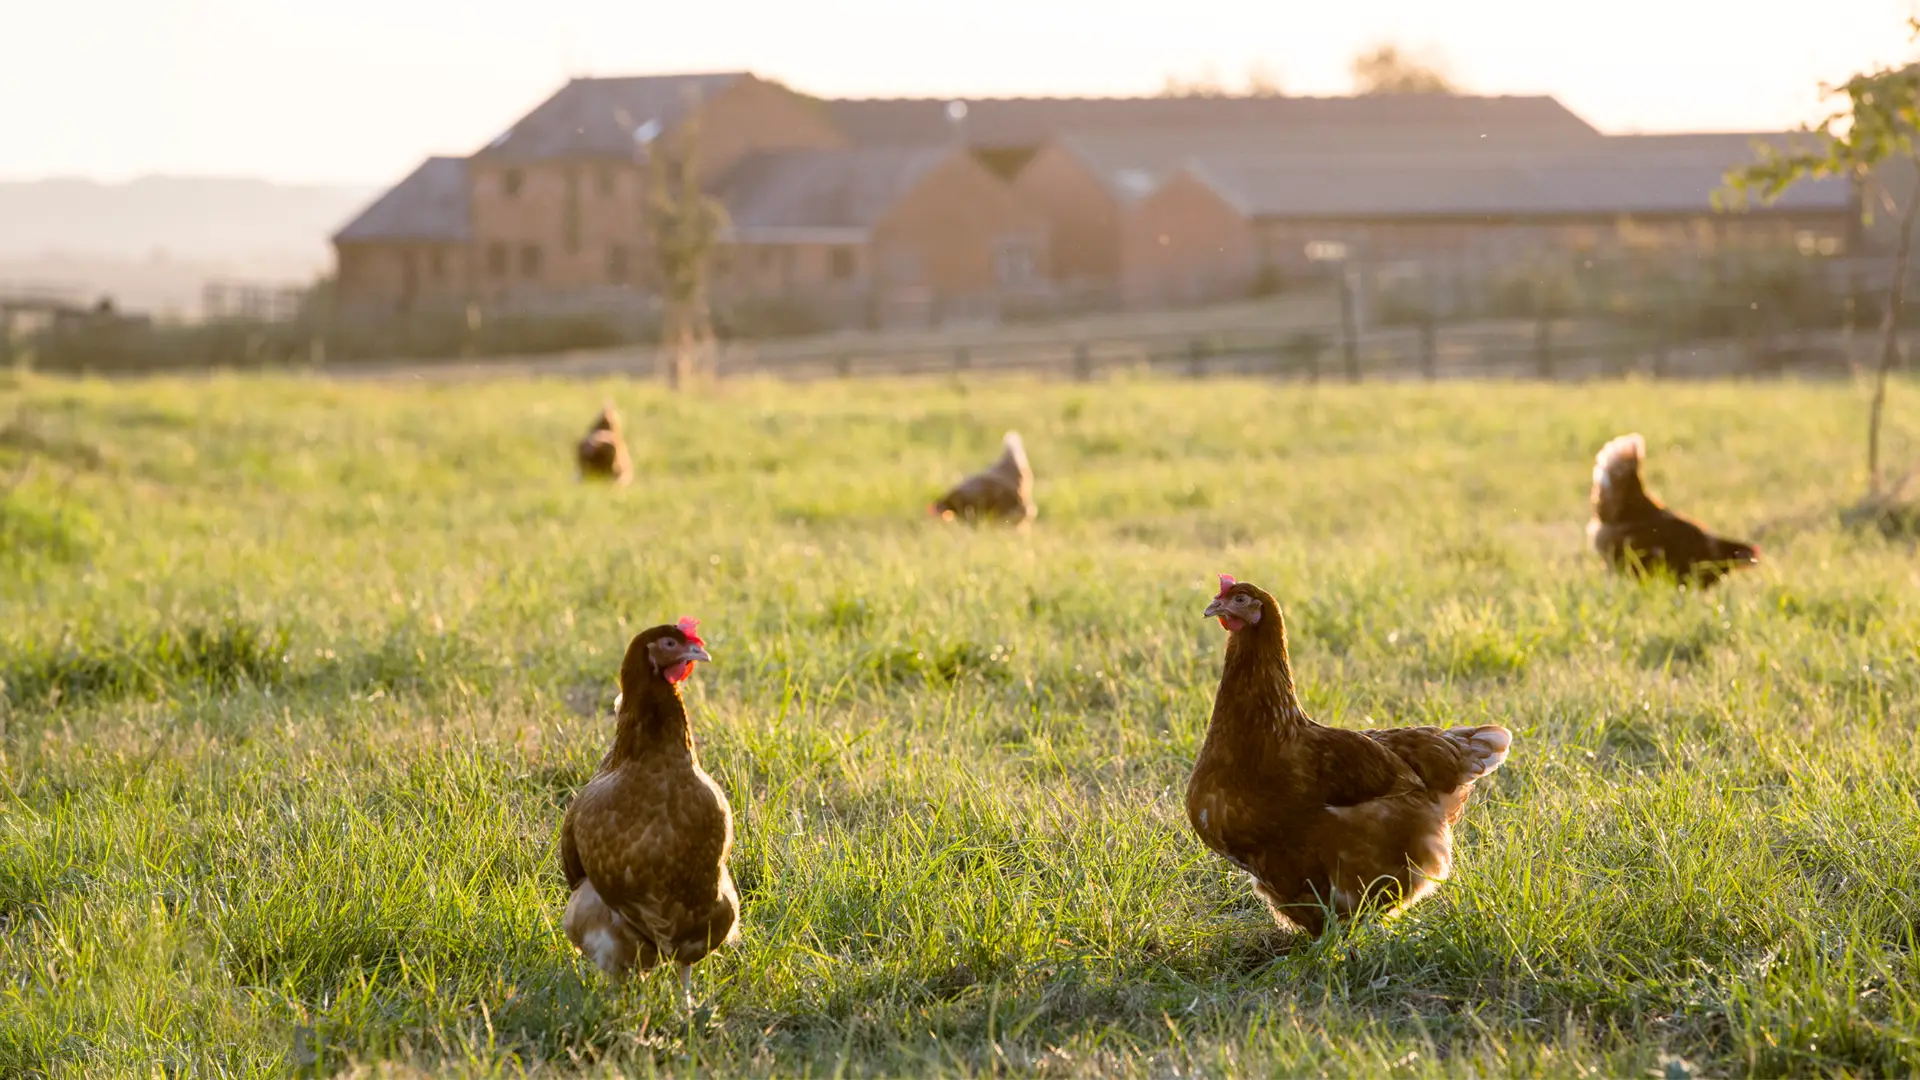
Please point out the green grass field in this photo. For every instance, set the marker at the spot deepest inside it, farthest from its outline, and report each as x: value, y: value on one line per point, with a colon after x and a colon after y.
x: 299, y: 678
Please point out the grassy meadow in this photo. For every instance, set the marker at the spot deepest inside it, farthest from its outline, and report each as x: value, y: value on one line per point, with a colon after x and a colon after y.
x: 300, y: 677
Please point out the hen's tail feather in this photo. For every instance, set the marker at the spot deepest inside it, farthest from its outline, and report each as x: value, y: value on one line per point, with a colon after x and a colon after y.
x: 1616, y: 476
x: 1486, y: 748
x: 1013, y: 458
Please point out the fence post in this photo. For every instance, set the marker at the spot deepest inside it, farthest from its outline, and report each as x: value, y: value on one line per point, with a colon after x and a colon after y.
x: 961, y: 359
x: 1302, y: 349
x: 1850, y: 309
x: 1617, y: 359
x: 1082, y: 362
x: 844, y: 366
x: 1349, y: 327
x: 1197, y: 358
x: 1429, y: 344
x: 1543, y: 334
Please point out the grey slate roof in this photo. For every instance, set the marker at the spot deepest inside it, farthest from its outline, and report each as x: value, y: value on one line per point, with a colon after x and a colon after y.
x: 1132, y: 163
x: 1616, y: 175
x: 1013, y: 122
x: 605, y: 117
x: 850, y: 188
x: 430, y: 204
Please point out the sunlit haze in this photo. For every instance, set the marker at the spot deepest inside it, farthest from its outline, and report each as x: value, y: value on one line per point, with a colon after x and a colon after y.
x: 360, y: 90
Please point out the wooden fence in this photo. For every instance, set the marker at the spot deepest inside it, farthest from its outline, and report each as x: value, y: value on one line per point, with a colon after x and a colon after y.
x: 1517, y: 350
x: 1810, y: 318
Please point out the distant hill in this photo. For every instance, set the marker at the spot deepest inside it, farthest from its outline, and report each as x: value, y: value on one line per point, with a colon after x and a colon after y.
x: 151, y: 243
x: 187, y: 217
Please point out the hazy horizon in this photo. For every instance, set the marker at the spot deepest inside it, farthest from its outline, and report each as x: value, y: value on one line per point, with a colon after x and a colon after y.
x: 358, y: 91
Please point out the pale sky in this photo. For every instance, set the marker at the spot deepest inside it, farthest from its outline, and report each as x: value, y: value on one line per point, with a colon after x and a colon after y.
x: 360, y: 90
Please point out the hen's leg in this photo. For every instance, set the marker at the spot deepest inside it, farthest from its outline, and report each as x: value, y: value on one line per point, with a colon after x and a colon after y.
x: 1300, y: 908
x: 1309, y: 916
x: 686, y: 988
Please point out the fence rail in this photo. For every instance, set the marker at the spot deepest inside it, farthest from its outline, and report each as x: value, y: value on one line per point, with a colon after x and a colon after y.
x: 1511, y: 351
x: 1383, y: 321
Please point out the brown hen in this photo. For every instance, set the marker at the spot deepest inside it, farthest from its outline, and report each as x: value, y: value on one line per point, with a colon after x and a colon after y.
x: 645, y: 843
x: 1001, y: 492
x: 602, y: 454
x: 1638, y: 536
x: 1323, y: 819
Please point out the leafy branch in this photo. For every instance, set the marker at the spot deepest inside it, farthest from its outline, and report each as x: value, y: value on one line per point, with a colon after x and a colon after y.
x: 1874, y: 127
x: 684, y: 225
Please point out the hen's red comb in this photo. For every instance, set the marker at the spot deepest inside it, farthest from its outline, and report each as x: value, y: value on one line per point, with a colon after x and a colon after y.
x: 688, y: 625
x: 1226, y: 582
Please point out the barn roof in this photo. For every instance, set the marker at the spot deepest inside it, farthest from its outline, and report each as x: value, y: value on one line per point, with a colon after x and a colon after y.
x: 993, y: 123
x: 1676, y: 174
x: 430, y: 204
x: 605, y: 117
x: 849, y: 188
x: 1132, y: 163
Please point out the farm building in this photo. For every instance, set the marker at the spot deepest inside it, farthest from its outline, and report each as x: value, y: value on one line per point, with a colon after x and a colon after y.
x: 556, y: 200
x: 411, y: 249
x: 1222, y: 219
x: 889, y: 210
x: 1086, y: 182
x: 889, y: 233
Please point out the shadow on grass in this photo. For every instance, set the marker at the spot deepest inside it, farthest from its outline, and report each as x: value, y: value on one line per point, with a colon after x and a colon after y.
x: 224, y: 654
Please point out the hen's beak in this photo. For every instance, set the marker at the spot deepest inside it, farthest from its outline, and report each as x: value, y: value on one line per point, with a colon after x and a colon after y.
x: 695, y: 652
x: 1215, y: 609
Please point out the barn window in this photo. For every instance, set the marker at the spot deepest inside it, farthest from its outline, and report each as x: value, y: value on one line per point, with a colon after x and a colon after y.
x: 510, y: 182
x: 617, y: 264
x: 1812, y: 243
x: 840, y: 263
x: 530, y: 261
x: 497, y: 260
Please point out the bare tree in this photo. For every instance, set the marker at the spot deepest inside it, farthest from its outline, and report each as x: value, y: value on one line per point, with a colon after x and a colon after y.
x: 1861, y: 140
x: 1207, y: 85
x: 1264, y: 82
x: 683, y: 225
x: 1261, y: 82
x: 1389, y: 69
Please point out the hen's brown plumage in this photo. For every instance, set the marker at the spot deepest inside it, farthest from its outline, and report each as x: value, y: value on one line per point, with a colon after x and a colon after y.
x: 1636, y: 535
x: 1002, y: 491
x: 602, y: 454
x: 1323, y: 818
x: 644, y: 845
